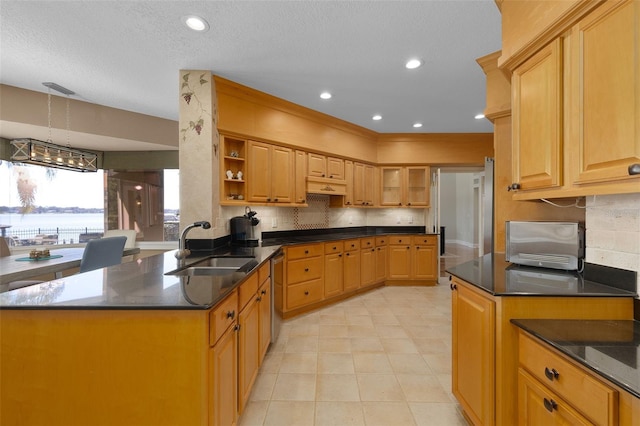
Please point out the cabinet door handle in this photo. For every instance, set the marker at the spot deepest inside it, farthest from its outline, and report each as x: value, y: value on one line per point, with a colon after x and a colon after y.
x: 374, y: 249
x: 513, y: 187
x: 550, y: 404
x: 306, y: 293
x: 268, y: 200
x: 347, y: 254
x: 408, y: 247
x: 340, y: 255
x: 258, y: 299
x: 263, y: 292
x: 231, y: 314
x: 551, y: 374
x: 306, y: 269
x: 634, y: 169
x: 453, y: 287
x: 408, y: 204
x: 334, y: 247
x: 275, y: 200
x: 399, y: 204
x: 237, y: 327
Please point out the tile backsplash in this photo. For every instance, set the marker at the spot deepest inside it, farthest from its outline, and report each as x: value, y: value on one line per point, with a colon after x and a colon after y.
x: 613, y: 231
x: 318, y: 215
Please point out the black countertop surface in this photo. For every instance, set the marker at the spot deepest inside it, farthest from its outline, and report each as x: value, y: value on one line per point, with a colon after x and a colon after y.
x: 609, y: 348
x: 498, y: 277
x: 140, y: 284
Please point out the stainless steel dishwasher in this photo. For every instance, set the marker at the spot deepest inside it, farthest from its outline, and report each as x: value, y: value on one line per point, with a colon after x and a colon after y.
x: 277, y: 281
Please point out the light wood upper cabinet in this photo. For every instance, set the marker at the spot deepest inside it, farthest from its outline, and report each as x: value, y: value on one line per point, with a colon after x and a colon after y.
x: 537, y: 120
x: 233, y: 159
x: 364, y: 185
x: 335, y: 168
x: 404, y: 186
x: 300, y: 184
x: 322, y: 166
x: 606, y: 76
x: 271, y: 173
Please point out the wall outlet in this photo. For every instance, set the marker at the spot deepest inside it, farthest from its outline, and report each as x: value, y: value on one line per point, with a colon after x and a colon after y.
x: 398, y: 220
x: 410, y: 219
x: 274, y: 222
x: 350, y: 219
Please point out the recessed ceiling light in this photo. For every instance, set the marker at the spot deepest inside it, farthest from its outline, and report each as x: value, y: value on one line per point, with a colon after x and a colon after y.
x: 413, y: 64
x: 196, y: 23
x: 377, y: 117
x: 325, y: 95
x: 479, y: 116
x: 416, y: 125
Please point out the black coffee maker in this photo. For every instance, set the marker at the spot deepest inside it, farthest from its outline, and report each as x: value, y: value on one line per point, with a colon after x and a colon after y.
x: 242, y: 229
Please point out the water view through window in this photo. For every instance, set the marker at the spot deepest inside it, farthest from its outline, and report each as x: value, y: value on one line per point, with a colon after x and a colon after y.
x: 46, y: 206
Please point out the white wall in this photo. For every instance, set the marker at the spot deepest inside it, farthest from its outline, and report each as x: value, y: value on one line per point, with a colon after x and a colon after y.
x: 613, y: 231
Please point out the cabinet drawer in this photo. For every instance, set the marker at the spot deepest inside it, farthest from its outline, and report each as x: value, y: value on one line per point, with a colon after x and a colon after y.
x: 334, y: 247
x: 301, y: 252
x: 222, y: 316
x: 425, y: 240
x: 400, y: 239
x: 537, y: 405
x: 247, y: 290
x: 303, y: 294
x: 597, y: 401
x: 264, y: 273
x: 382, y: 241
x: 367, y: 243
x: 350, y: 245
x: 304, y: 270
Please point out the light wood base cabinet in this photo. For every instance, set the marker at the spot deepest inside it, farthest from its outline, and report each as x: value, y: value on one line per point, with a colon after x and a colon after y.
x: 476, y: 352
x: 223, y: 380
x: 319, y: 274
x: 473, y: 353
x: 558, y: 391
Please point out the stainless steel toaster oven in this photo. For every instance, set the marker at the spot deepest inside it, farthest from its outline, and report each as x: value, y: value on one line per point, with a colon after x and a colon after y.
x: 556, y: 245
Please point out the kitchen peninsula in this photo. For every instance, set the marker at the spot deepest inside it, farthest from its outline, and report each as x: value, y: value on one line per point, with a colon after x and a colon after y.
x: 124, y: 345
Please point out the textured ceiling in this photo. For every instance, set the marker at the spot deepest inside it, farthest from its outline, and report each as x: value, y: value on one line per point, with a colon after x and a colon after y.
x: 127, y: 54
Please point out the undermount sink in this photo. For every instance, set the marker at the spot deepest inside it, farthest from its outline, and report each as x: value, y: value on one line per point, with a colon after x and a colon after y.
x: 202, y: 271
x: 213, y: 266
x: 225, y: 262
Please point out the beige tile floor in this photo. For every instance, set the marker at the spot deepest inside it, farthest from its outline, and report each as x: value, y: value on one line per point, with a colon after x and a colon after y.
x: 381, y: 358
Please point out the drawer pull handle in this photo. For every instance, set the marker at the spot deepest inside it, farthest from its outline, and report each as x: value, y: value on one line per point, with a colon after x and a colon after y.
x: 550, y: 405
x: 231, y: 314
x: 306, y: 252
x: 334, y: 247
x: 634, y: 169
x: 551, y: 374
x: 306, y: 269
x: 306, y: 293
x: 263, y: 292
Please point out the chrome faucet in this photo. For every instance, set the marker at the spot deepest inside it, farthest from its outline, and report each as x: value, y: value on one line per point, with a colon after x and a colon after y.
x: 183, y: 252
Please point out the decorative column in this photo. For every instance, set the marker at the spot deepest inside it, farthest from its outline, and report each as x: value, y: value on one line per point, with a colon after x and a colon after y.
x: 198, y: 153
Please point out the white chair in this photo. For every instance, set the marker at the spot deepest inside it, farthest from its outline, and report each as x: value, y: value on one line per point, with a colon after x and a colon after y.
x: 129, y: 233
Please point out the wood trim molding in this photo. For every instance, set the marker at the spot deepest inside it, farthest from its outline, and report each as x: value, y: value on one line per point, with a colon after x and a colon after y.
x: 248, y: 94
x: 553, y: 30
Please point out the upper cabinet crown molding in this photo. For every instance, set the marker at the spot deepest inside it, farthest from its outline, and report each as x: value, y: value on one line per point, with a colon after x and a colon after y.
x: 528, y: 26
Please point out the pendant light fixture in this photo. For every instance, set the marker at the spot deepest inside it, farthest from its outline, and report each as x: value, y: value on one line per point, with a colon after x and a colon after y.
x: 49, y: 154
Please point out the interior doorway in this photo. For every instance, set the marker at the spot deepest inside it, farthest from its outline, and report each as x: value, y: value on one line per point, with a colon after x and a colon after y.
x: 458, y: 198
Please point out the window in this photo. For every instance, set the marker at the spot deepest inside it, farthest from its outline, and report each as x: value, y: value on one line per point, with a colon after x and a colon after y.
x: 46, y: 206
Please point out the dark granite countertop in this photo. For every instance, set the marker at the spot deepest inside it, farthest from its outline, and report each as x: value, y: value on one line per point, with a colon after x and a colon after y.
x: 332, y: 234
x: 498, y: 277
x: 609, y: 348
x: 140, y: 284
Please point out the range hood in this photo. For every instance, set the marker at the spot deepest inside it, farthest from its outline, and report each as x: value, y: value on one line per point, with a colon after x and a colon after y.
x: 327, y: 186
